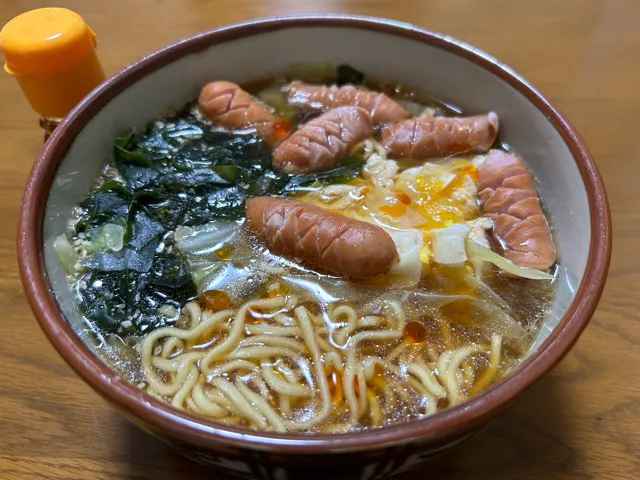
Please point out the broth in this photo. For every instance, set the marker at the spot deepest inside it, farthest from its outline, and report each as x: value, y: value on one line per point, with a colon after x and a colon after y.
x: 187, y: 303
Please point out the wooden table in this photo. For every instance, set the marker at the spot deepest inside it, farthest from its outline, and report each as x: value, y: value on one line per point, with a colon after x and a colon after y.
x: 582, y: 421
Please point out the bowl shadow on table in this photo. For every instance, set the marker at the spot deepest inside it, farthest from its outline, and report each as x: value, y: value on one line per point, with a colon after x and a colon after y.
x: 531, y: 440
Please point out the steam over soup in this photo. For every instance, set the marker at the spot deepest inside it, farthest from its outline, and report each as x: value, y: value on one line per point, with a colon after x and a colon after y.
x: 314, y: 253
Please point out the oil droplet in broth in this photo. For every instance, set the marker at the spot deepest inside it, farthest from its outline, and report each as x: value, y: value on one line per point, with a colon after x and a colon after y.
x: 414, y: 332
x: 282, y: 129
x: 224, y: 253
x: 214, y: 300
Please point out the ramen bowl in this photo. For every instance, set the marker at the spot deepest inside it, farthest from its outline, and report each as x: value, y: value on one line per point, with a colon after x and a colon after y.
x: 448, y: 70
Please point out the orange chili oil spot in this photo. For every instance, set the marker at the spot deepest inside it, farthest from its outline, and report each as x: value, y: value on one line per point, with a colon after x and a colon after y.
x: 395, y: 211
x: 214, y: 301
x: 281, y: 290
x: 414, y: 332
x: 281, y: 129
x: 252, y: 315
x: 471, y: 171
x: 404, y: 198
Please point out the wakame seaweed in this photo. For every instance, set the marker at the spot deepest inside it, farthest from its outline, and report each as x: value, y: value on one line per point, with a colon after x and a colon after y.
x: 178, y: 171
x: 346, y: 75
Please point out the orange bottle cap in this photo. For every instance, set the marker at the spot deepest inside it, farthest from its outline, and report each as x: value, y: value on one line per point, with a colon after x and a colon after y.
x: 45, y: 40
x: 51, y: 52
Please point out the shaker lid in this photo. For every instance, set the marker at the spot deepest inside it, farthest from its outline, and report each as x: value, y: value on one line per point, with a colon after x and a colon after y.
x: 45, y: 40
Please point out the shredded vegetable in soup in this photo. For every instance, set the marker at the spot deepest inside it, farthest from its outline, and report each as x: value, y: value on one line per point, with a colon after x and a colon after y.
x: 314, y: 253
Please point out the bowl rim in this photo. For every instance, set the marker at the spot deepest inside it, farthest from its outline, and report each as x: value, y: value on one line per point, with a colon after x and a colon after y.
x: 159, y: 416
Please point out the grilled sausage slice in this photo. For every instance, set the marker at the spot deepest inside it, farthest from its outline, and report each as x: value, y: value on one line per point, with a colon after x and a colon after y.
x: 320, y: 98
x: 324, y: 142
x: 508, y: 196
x: 324, y: 240
x: 227, y: 105
x: 426, y: 136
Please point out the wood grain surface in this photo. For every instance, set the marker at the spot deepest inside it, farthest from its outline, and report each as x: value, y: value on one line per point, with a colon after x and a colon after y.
x: 581, y: 422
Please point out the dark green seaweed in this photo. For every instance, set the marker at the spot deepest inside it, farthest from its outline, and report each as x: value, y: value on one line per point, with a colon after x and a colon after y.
x: 346, y: 75
x: 178, y: 171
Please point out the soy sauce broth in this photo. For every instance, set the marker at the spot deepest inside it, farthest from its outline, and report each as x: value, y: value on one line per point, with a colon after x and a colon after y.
x: 194, y: 175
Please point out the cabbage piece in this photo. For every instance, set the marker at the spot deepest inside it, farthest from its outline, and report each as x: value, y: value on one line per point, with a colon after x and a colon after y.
x: 370, y: 147
x: 235, y: 272
x: 480, y: 252
x: 337, y: 197
x: 200, y: 244
x: 486, y: 292
x: 319, y: 289
x: 408, y: 243
x: 205, y: 239
x: 380, y: 170
x: 141, y: 237
x: 495, y: 314
x: 275, y: 97
x: 449, y: 245
x: 311, y: 72
x: 111, y: 237
x: 66, y: 254
x: 479, y: 228
x: 238, y: 282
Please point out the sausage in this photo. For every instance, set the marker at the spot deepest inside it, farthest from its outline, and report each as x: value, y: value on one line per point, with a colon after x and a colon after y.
x: 324, y: 142
x: 508, y: 196
x: 322, y: 239
x: 227, y: 105
x: 426, y: 136
x: 319, y: 98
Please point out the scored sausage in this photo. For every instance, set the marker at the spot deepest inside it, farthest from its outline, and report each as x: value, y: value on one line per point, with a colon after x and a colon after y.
x: 227, y: 105
x: 508, y: 196
x: 322, y: 143
x: 426, y: 136
x: 319, y: 98
x: 322, y: 239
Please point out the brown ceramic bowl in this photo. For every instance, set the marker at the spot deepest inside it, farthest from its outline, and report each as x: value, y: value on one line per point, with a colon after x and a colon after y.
x: 449, y: 70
